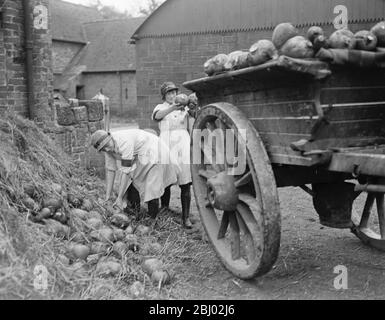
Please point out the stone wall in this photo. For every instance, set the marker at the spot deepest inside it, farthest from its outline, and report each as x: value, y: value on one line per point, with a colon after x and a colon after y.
x: 75, y: 121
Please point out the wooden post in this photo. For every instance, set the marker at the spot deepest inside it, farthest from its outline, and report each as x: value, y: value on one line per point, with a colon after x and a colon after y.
x: 106, y: 109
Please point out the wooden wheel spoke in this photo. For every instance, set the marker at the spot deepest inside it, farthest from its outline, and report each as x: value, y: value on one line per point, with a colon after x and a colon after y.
x: 367, y: 209
x: 222, y: 159
x: 224, y: 225
x: 247, y: 239
x: 244, y: 180
x: 381, y: 214
x: 209, y: 157
x: 235, y: 237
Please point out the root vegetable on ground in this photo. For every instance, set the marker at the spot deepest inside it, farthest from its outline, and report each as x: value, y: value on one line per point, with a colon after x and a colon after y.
x: 79, y: 251
x: 120, y: 220
x: 160, y: 277
x: 99, y: 247
x: 149, y: 266
x: 108, y: 268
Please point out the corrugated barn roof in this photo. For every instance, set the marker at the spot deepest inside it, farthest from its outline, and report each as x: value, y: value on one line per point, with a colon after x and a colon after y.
x: 178, y: 17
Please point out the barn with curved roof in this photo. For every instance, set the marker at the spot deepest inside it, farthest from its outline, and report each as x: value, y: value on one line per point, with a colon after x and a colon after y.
x: 175, y: 41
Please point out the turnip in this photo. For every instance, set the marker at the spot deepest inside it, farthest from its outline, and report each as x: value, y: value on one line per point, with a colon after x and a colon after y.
x: 77, y: 237
x: 120, y: 249
x: 142, y: 230
x: 282, y: 33
x: 379, y: 31
x: 149, y: 266
x: 137, y: 289
x: 193, y: 100
x: 120, y: 220
x: 87, y: 205
x: 74, y: 200
x: 60, y: 217
x: 57, y: 229
x: 342, y: 39
x: 317, y: 37
x: 63, y: 259
x: 160, y: 277
x: 81, y: 214
x: 237, y: 60
x: 104, y: 235
x: 298, y: 47
x: 119, y: 235
x: 155, y: 248
x: 30, y: 190
x: 108, y: 268
x: 45, y: 213
x: 365, y: 40
x: 54, y: 203
x: 261, y: 52
x: 99, y: 248
x: 94, y: 223
x: 29, y: 203
x: 314, y: 32
x: 132, y: 242
x: 80, y: 251
x: 215, y: 64
x: 181, y: 99
x: 57, y: 188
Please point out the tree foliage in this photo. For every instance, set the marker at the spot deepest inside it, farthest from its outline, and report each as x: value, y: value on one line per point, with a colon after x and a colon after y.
x: 109, y: 12
x: 150, y: 7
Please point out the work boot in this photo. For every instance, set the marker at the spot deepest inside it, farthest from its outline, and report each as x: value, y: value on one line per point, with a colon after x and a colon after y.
x: 153, y: 208
x: 186, y: 200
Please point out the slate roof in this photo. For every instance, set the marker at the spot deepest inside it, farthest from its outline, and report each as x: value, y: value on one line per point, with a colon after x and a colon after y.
x: 109, y: 48
x: 68, y: 19
x: 106, y: 42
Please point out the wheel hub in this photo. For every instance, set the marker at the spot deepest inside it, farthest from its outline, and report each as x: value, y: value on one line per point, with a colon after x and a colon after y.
x: 221, y: 192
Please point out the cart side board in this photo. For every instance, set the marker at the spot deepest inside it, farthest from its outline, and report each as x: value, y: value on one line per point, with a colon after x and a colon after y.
x: 344, y: 110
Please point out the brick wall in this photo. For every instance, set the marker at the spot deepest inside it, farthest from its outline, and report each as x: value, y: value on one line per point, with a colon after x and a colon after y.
x: 13, y: 90
x: 181, y: 58
x: 119, y: 87
x: 63, y: 53
x: 69, y: 125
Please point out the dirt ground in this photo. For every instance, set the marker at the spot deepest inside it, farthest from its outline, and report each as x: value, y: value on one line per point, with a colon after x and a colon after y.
x: 304, y: 270
x: 308, y: 255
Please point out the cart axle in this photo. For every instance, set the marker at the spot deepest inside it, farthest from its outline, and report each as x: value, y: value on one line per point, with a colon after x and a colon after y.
x: 376, y: 188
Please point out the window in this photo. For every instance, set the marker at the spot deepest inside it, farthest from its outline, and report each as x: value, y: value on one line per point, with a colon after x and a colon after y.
x: 80, y: 92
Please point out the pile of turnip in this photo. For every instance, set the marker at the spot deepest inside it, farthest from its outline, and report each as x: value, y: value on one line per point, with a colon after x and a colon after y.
x: 287, y: 40
x: 95, y: 234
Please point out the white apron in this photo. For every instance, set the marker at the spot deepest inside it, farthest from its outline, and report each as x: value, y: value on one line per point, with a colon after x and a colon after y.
x: 149, y: 176
x: 173, y: 132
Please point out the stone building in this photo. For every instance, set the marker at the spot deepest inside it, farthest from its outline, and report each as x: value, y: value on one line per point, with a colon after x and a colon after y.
x: 175, y: 41
x: 90, y: 54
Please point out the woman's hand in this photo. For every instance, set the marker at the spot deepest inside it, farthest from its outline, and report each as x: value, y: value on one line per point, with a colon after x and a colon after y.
x: 118, y: 203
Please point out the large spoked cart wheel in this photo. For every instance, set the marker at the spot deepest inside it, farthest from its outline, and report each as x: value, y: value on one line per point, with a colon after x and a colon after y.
x: 369, y: 224
x: 235, y: 190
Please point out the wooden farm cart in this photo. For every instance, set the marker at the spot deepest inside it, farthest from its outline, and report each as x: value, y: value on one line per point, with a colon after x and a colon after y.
x: 305, y: 123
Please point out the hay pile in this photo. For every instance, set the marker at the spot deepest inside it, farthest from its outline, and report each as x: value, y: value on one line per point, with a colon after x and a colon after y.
x: 53, y: 224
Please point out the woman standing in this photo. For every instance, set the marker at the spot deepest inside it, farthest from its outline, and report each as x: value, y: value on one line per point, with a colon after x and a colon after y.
x: 173, y: 124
